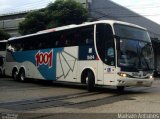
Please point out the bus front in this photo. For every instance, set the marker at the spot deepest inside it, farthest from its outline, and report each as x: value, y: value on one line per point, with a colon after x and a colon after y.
x: 135, y: 59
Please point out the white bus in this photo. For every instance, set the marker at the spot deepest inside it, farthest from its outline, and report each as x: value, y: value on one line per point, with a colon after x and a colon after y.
x: 2, y: 56
x: 104, y: 52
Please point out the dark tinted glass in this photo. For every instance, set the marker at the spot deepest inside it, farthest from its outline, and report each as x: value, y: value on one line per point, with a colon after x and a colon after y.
x: 65, y: 38
x: 105, y: 43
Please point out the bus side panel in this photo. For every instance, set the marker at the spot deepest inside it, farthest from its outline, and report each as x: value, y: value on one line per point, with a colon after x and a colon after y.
x: 40, y: 64
x: 92, y: 65
x: 8, y: 68
x: 30, y: 69
x: 67, y: 64
x: 100, y: 76
x: 9, y: 64
x: 88, y: 60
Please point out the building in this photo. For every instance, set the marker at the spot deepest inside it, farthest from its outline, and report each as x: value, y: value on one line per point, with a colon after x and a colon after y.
x: 99, y: 9
x: 10, y: 22
x: 106, y: 9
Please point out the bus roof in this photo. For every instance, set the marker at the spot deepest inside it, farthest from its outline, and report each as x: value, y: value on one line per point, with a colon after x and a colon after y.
x: 76, y: 26
x: 3, y: 41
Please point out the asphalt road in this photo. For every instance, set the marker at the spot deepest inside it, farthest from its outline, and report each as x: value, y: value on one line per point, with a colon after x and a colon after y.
x: 43, y: 100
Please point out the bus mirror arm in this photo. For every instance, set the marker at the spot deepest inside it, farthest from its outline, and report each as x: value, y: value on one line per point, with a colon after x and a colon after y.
x: 117, y: 37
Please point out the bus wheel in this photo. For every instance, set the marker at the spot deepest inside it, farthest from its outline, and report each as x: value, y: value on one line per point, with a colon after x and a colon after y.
x: 120, y: 88
x: 90, y: 79
x: 15, y: 74
x: 21, y: 75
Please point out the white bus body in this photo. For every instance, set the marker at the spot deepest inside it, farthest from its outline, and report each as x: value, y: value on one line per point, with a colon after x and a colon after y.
x: 105, y: 52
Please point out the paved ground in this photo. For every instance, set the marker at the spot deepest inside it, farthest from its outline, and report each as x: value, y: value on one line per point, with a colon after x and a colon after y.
x: 44, y: 100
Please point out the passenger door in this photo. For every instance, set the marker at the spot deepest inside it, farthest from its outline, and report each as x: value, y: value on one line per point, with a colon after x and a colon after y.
x: 106, y: 50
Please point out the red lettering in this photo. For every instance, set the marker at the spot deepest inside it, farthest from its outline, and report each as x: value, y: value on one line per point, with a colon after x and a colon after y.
x: 44, y: 58
x: 50, y: 55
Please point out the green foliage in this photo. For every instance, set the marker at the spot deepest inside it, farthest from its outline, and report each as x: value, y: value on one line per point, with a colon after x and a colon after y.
x: 59, y: 13
x: 4, y: 35
x: 66, y: 12
x: 34, y: 21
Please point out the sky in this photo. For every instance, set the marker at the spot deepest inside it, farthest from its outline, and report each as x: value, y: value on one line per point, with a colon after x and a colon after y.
x: 10, y: 6
x: 147, y: 8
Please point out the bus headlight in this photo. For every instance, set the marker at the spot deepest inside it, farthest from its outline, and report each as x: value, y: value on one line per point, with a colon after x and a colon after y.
x: 150, y: 77
x: 124, y: 75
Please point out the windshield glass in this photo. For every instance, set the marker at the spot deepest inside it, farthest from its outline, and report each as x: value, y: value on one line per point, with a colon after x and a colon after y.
x: 135, y: 55
x: 129, y: 32
x: 134, y: 52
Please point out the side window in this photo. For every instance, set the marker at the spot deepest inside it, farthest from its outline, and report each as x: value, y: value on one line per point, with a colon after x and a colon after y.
x: 29, y: 43
x: 87, y: 35
x: 52, y: 40
x: 40, y: 41
x: 72, y: 37
x: 105, y: 43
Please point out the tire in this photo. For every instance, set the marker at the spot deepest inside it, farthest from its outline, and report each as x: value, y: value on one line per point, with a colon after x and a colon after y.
x: 4, y: 75
x: 90, y: 79
x: 21, y: 76
x: 120, y: 88
x: 15, y: 75
x: 1, y: 74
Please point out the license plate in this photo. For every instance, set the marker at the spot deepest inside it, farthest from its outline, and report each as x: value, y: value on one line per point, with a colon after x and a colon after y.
x: 139, y: 82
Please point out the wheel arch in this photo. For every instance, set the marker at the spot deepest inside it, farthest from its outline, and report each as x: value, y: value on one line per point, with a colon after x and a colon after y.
x: 14, y: 68
x: 22, y: 68
x: 84, y: 73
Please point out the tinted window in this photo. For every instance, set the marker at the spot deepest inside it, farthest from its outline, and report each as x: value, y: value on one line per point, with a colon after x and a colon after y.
x: 129, y: 32
x: 105, y: 43
x: 65, y: 38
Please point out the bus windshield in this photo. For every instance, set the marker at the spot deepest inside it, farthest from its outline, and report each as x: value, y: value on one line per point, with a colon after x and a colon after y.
x: 134, y: 49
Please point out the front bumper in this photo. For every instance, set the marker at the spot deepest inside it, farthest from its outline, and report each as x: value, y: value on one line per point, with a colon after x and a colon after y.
x: 134, y: 82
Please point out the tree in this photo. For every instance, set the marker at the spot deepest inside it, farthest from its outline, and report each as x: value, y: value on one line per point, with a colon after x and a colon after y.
x: 4, y: 35
x: 59, y: 13
x: 65, y: 12
x: 34, y: 21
